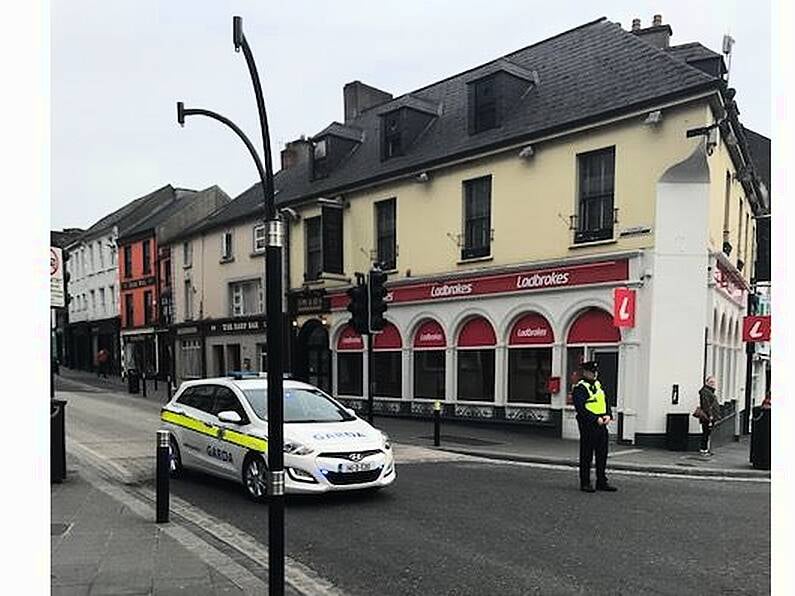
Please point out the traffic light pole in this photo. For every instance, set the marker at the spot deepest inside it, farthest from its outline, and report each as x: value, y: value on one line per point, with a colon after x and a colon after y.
x: 369, y: 339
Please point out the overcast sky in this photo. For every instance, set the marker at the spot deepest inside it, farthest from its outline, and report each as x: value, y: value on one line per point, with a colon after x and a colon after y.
x: 119, y: 67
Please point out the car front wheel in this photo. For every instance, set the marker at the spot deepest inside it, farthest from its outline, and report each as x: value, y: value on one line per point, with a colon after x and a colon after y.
x: 255, y: 478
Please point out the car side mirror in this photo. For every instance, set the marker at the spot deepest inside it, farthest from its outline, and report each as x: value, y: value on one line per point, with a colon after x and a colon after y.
x: 351, y: 411
x: 230, y: 417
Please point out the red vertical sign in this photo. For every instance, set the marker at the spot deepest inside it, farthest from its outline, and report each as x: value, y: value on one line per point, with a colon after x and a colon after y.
x: 756, y: 329
x: 624, y: 307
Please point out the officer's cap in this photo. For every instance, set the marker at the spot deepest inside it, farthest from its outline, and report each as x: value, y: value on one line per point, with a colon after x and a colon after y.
x: 590, y: 365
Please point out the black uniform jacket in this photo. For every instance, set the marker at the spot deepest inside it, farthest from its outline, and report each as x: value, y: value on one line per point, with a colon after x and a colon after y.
x: 580, y: 396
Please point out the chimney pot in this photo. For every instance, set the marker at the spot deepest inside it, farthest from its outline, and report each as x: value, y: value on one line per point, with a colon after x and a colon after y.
x: 657, y: 21
x: 635, y: 24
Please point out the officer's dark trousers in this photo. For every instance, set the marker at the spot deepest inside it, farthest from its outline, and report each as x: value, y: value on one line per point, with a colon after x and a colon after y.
x: 593, y: 439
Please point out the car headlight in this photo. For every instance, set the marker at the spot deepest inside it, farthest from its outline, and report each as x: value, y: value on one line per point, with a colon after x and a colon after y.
x: 296, y: 448
x: 387, y: 442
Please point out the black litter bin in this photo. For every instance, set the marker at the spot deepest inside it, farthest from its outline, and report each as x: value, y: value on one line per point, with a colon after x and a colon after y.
x: 57, y: 440
x: 760, y: 438
x: 133, y: 381
x: 677, y: 427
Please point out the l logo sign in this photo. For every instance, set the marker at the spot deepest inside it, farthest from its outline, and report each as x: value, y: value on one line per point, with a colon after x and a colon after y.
x: 624, y: 307
x: 756, y: 329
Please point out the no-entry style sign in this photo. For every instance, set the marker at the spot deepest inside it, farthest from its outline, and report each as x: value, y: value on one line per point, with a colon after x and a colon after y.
x: 57, y: 299
x: 624, y: 307
x: 756, y: 328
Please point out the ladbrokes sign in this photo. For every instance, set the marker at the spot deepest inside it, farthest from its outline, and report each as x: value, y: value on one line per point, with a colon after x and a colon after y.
x: 522, y: 281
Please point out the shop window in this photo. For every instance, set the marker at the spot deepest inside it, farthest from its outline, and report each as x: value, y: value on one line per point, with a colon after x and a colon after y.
x: 387, y: 374
x: 476, y: 375
x: 477, y: 218
x: 429, y: 373
x: 476, y: 361
x: 529, y: 370
x: 349, y: 373
x: 262, y: 357
x: 595, y: 212
x: 574, y: 358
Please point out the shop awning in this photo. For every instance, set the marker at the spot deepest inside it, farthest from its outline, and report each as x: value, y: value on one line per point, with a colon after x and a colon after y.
x: 349, y: 340
x: 430, y: 335
x: 531, y: 329
x: 594, y: 326
x: 477, y: 333
x: 388, y: 339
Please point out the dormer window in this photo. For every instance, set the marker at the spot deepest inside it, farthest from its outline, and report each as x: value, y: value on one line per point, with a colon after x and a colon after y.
x: 393, y: 133
x: 485, y: 98
x: 332, y: 146
x: 320, y: 149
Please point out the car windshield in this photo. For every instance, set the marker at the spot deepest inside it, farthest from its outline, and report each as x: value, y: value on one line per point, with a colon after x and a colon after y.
x: 300, y: 405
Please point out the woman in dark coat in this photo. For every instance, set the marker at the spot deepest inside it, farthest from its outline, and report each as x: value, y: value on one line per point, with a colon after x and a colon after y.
x: 709, y: 405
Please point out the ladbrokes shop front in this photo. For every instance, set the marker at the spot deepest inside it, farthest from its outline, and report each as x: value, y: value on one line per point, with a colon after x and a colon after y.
x: 503, y: 345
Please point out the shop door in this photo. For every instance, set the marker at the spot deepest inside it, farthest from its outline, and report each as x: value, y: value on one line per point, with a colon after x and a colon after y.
x: 233, y: 357
x: 607, y: 360
x: 219, y: 361
x: 313, y: 342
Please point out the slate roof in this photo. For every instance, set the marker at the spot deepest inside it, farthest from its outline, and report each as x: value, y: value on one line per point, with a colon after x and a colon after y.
x: 132, y: 213
x: 688, y: 52
x: 585, y: 74
x: 183, y: 199
x: 759, y: 146
x: 63, y: 238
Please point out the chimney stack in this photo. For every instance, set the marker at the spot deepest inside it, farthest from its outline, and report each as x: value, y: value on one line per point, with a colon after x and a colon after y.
x: 358, y: 97
x: 658, y: 35
x: 295, y: 152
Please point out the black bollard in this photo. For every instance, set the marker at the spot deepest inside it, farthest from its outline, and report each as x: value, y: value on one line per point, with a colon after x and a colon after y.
x: 437, y: 417
x: 162, y: 473
x: 155, y: 380
x: 143, y: 381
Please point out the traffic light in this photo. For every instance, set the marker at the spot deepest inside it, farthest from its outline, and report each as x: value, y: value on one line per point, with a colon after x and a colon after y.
x: 358, y: 306
x: 377, y: 299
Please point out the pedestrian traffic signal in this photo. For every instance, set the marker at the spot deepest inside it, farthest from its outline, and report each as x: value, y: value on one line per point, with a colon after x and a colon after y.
x: 358, y: 306
x: 377, y: 299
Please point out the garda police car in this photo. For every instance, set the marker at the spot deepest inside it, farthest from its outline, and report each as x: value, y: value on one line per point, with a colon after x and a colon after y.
x: 220, y: 426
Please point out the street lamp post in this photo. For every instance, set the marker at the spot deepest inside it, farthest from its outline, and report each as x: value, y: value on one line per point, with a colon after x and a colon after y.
x: 273, y: 312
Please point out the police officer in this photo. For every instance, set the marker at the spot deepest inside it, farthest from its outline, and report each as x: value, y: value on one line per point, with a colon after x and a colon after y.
x: 593, y: 416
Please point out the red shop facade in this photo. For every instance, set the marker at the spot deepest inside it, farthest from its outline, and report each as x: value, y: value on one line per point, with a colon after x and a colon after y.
x: 502, y: 346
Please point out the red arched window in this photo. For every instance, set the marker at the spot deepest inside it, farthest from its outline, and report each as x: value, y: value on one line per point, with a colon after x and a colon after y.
x: 530, y: 360
x: 594, y: 326
x: 475, y: 357
x: 388, y: 363
x: 531, y: 329
x: 429, y: 360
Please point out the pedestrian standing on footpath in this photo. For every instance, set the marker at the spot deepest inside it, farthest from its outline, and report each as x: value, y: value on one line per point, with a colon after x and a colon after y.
x: 102, y: 363
x: 710, y: 413
x: 593, y: 416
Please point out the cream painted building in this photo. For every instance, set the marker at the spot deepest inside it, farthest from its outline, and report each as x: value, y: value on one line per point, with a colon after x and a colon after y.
x: 218, y: 270
x: 510, y: 202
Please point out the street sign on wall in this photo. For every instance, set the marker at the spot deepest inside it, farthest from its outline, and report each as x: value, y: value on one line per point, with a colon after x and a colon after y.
x: 624, y: 307
x: 756, y: 328
x: 57, y: 298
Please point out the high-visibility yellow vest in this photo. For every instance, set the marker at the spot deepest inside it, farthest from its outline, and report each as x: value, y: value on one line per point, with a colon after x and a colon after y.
x: 596, y: 402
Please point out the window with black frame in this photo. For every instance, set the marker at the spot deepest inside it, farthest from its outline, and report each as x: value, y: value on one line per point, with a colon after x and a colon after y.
x: 429, y: 372
x: 147, y: 256
x: 385, y: 234
x: 314, y: 248
x: 127, y: 261
x: 476, y: 375
x: 477, y: 218
x: 349, y: 373
x: 331, y: 239
x: 529, y: 370
x: 485, y: 108
x: 595, y: 212
x: 387, y: 373
x: 392, y: 124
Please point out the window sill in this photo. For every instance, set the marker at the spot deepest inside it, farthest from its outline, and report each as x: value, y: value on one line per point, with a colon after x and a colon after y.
x: 225, y: 260
x: 334, y: 277
x: 187, y: 266
x: 257, y: 253
x: 476, y: 260
x: 593, y: 243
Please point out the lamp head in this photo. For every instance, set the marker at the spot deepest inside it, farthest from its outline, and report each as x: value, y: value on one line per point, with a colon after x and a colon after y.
x: 237, y: 32
x: 181, y: 113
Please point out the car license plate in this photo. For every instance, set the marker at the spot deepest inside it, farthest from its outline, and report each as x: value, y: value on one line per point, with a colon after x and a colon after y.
x: 358, y: 467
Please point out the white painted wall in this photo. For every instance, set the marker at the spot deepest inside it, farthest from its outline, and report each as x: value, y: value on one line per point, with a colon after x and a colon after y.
x: 677, y: 289
x: 93, y: 265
